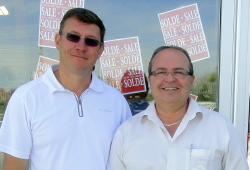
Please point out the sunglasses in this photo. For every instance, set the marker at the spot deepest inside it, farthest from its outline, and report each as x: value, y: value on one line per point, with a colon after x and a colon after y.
x: 76, y: 38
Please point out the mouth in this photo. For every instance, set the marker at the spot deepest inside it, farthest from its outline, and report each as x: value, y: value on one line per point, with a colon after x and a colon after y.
x: 77, y: 56
x: 170, y: 88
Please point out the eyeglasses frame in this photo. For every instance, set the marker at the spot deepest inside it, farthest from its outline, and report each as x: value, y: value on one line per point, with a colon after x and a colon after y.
x: 66, y: 33
x: 152, y: 73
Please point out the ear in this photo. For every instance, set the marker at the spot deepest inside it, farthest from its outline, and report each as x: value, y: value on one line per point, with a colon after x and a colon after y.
x: 100, y: 51
x: 57, y: 41
x: 149, y: 79
x: 192, y: 79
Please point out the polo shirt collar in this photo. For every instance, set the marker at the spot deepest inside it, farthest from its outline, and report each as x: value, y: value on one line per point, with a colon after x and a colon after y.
x: 54, y: 85
x: 96, y: 84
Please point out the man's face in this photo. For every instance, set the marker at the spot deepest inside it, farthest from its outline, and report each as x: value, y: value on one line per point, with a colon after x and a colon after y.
x: 77, y: 56
x: 170, y: 90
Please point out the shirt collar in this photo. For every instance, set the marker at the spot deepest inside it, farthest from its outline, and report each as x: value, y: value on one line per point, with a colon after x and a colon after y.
x: 193, y: 110
x: 96, y: 84
x: 51, y: 81
x: 53, y: 84
x: 150, y: 113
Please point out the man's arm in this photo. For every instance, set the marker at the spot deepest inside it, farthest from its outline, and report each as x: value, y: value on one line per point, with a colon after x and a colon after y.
x: 115, y: 162
x: 235, y: 158
x: 14, y: 163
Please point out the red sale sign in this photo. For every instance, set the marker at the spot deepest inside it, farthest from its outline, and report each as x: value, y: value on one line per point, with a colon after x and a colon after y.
x: 121, y: 65
x: 183, y: 27
x: 51, y: 13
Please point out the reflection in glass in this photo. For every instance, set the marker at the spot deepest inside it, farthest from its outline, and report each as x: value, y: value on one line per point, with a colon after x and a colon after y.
x: 19, y: 31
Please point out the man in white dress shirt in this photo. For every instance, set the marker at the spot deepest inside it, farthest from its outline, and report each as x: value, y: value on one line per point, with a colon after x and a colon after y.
x: 174, y: 132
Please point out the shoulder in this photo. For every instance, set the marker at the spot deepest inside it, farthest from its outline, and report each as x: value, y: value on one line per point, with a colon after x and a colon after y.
x: 131, y: 124
x: 107, y: 92
x: 100, y: 86
x: 108, y: 88
x: 218, y: 120
x: 214, y: 114
x: 28, y: 87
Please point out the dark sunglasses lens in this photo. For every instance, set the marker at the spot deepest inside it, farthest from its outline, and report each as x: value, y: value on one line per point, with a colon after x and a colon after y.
x: 73, y: 38
x: 91, y: 42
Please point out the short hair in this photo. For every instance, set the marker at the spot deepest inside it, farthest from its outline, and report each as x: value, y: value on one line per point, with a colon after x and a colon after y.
x: 191, y: 69
x: 86, y: 16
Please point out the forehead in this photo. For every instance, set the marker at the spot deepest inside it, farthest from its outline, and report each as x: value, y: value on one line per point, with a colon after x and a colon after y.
x: 170, y: 59
x: 73, y: 23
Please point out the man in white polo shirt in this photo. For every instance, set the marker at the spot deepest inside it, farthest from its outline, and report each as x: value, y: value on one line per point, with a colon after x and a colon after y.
x: 65, y: 119
x: 174, y: 132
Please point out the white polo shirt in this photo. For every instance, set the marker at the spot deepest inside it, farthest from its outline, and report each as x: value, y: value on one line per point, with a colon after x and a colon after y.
x: 42, y: 123
x: 204, y: 140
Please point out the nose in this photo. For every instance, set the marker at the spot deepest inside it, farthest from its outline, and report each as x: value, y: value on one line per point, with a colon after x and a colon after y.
x: 170, y: 77
x: 81, y: 45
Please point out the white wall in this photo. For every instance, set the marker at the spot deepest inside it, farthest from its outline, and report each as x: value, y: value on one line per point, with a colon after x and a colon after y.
x: 234, y: 64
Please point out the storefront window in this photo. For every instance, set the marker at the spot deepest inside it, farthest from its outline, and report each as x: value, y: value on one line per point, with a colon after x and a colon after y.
x: 20, y: 52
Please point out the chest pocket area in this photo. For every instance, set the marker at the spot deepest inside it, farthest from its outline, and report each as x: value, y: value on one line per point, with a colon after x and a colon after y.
x: 199, y: 159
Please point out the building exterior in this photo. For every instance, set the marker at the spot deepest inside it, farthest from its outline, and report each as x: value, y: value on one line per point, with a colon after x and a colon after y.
x: 220, y: 26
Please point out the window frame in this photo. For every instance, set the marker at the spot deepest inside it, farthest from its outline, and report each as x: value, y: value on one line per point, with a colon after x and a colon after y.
x: 234, y: 73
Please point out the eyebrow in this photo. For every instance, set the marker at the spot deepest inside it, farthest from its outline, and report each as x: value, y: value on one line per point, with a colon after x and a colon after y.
x: 74, y: 32
x: 89, y: 36
x: 166, y: 69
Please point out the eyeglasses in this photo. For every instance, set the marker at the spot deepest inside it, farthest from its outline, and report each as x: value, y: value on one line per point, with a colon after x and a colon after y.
x: 179, y: 74
x: 76, y: 38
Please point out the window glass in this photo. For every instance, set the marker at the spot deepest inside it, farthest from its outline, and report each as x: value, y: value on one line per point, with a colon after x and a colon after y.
x: 19, y: 32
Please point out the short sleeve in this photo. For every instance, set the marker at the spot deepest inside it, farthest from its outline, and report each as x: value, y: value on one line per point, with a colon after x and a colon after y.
x: 15, y: 132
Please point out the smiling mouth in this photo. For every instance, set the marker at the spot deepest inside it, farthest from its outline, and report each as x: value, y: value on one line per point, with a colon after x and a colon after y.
x: 170, y: 88
x: 78, y: 56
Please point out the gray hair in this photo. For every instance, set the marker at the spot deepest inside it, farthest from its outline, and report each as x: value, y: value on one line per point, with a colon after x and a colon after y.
x: 191, y: 69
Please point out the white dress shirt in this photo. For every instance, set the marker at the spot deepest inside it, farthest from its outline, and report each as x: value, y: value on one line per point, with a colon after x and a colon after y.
x: 204, y: 140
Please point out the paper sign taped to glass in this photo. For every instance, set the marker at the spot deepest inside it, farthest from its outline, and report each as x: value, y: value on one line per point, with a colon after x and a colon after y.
x: 183, y: 27
x: 121, y: 65
x: 51, y: 13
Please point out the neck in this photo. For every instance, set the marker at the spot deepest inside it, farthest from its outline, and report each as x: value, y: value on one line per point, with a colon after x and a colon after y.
x: 171, y: 116
x: 73, y: 82
x: 170, y: 113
